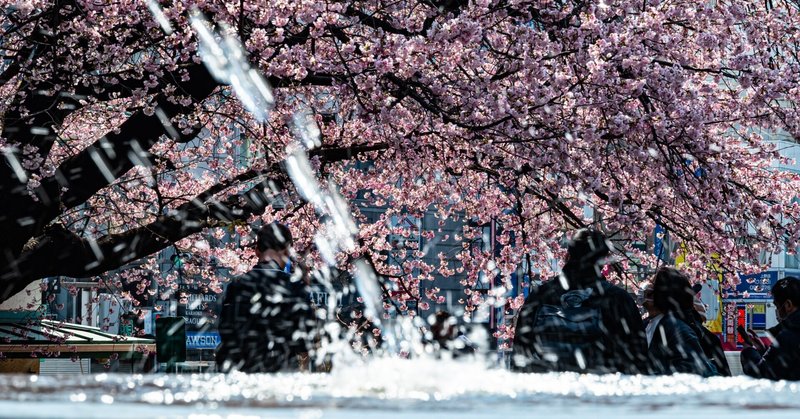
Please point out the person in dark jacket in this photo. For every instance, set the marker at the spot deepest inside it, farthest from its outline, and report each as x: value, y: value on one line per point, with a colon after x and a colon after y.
x: 709, y: 341
x: 266, y: 317
x: 615, y: 343
x: 673, y: 342
x: 781, y: 360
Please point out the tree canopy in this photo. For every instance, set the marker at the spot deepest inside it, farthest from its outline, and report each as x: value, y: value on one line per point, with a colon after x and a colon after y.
x: 118, y: 142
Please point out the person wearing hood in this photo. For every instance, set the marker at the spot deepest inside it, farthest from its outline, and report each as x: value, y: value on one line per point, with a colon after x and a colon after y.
x: 580, y: 322
x: 781, y: 360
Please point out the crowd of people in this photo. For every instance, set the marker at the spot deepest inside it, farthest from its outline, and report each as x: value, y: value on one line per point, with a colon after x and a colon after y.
x: 582, y: 323
x: 577, y: 322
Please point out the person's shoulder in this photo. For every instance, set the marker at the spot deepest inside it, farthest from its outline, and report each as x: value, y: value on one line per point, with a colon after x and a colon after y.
x: 253, y: 279
x: 233, y: 284
x: 266, y: 276
x: 672, y: 323
x: 553, y: 285
x: 296, y: 286
x: 788, y: 336
x: 791, y: 324
x: 616, y: 292
x: 246, y: 277
x: 545, y: 292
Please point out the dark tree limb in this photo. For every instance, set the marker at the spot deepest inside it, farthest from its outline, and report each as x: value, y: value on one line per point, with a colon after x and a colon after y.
x: 60, y: 252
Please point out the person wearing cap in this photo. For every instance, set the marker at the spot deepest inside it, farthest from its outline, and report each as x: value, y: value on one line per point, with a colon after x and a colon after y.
x: 781, y: 360
x: 621, y: 346
x: 266, y: 319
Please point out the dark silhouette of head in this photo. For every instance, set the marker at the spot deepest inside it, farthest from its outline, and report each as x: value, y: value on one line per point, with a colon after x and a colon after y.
x: 273, y: 242
x: 585, y: 252
x: 273, y: 236
x: 786, y: 296
x: 672, y: 291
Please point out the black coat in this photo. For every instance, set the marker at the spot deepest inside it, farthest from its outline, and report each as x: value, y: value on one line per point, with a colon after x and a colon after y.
x: 781, y: 361
x: 675, y: 348
x: 266, y: 319
x: 624, y: 347
x: 712, y: 347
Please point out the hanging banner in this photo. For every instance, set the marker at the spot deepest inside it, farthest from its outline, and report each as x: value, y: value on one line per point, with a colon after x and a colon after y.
x: 658, y: 242
x: 729, y: 337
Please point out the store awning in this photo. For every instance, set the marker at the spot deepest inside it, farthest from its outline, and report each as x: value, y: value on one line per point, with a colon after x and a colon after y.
x: 49, y: 338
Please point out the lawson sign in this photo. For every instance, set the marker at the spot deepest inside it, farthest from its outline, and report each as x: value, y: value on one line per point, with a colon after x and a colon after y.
x: 202, y: 340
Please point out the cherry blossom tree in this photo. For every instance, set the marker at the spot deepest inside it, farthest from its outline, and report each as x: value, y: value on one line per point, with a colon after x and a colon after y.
x: 118, y: 142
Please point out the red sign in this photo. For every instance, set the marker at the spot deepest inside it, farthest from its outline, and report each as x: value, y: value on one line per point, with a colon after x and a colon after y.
x: 741, y: 320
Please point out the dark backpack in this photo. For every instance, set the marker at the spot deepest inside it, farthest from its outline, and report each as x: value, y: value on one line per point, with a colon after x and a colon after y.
x: 570, y: 336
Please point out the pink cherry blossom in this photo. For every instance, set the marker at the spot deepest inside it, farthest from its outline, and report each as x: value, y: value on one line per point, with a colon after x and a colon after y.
x: 644, y: 113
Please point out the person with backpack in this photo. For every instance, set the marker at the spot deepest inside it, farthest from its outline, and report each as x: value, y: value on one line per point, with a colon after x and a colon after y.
x: 580, y: 322
x: 672, y: 333
x: 781, y: 360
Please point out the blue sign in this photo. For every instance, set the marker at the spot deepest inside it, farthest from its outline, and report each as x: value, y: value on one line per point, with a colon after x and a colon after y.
x: 514, y: 285
x: 754, y: 287
x: 202, y: 340
x: 658, y: 242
